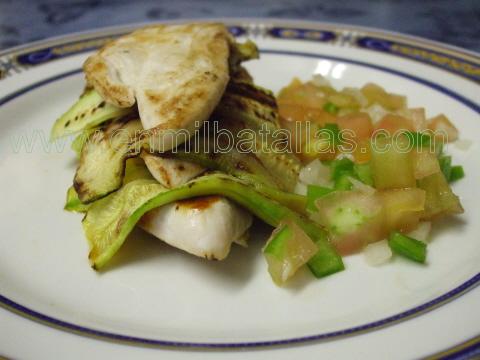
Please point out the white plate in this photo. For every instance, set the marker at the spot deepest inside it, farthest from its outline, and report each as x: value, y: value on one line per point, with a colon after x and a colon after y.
x: 153, y: 294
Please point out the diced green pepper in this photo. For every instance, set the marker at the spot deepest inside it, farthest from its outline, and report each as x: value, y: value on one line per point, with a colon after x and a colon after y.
x: 408, y: 247
x: 445, y: 163
x: 341, y: 167
x: 418, y: 138
x: 456, y: 173
x: 331, y: 108
x: 313, y: 193
x: 276, y: 245
x: 322, y: 263
x: 364, y: 173
x: 343, y: 183
x: 333, y: 134
x: 344, y: 168
x: 438, y: 149
x: 288, y: 249
x: 110, y: 220
x: 451, y: 173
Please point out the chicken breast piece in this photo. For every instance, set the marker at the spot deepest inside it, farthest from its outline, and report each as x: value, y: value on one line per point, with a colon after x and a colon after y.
x: 170, y: 172
x: 205, y: 227
x: 175, y: 73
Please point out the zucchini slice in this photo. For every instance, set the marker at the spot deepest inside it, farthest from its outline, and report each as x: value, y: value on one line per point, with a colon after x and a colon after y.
x: 246, y: 102
x: 247, y: 106
x: 280, y: 170
x: 135, y: 169
x: 110, y: 220
x: 89, y: 111
x: 247, y: 168
x: 240, y: 52
x: 73, y: 203
x: 81, y: 139
x: 102, y: 161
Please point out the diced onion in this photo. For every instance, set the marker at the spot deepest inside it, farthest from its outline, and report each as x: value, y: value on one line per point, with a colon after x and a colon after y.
x: 357, y: 95
x: 426, y: 164
x: 422, y: 232
x: 300, y: 188
x: 443, y: 127
x: 348, y: 156
x: 376, y: 112
x: 417, y: 115
x: 360, y: 186
x: 319, y: 80
x: 463, y: 144
x: 377, y: 253
x: 287, y: 249
x: 315, y: 173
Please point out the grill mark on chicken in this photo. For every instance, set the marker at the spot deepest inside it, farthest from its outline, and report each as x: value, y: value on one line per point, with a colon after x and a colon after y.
x: 176, y: 74
x: 199, y: 203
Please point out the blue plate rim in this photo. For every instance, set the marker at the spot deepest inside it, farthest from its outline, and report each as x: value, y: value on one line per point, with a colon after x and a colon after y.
x: 405, y: 315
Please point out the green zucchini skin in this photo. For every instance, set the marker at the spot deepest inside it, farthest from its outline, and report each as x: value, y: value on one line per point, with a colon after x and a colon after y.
x: 134, y: 169
x: 92, y: 110
x: 109, y: 220
x: 243, y: 105
x: 240, y: 52
x: 273, y: 169
x: 247, y: 106
x: 81, y: 139
x: 249, y: 169
x: 73, y: 203
x: 102, y: 161
x: 89, y: 111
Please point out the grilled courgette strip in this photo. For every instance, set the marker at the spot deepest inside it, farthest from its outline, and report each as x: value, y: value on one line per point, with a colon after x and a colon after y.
x: 102, y: 161
x: 89, y: 111
x: 110, y: 220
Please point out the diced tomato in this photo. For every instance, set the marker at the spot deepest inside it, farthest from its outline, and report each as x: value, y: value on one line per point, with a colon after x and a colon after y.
x: 443, y: 128
x: 402, y: 208
x: 394, y: 124
x: 358, y: 123
x: 353, y: 219
x: 343, y: 100
x: 417, y: 115
x: 392, y: 165
x: 285, y: 93
x: 293, y: 112
x: 376, y: 94
x: 295, y: 119
x: 440, y: 199
x: 316, y: 151
x: 362, y: 153
x: 426, y: 163
x: 306, y: 94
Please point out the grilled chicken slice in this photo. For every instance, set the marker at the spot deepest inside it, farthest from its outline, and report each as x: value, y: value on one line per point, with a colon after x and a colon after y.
x: 176, y: 74
x: 205, y: 227
x: 170, y: 172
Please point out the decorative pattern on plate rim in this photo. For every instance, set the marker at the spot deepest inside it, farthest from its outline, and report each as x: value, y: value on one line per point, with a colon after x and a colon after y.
x: 408, y: 314
x: 429, y: 53
x: 464, y: 64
